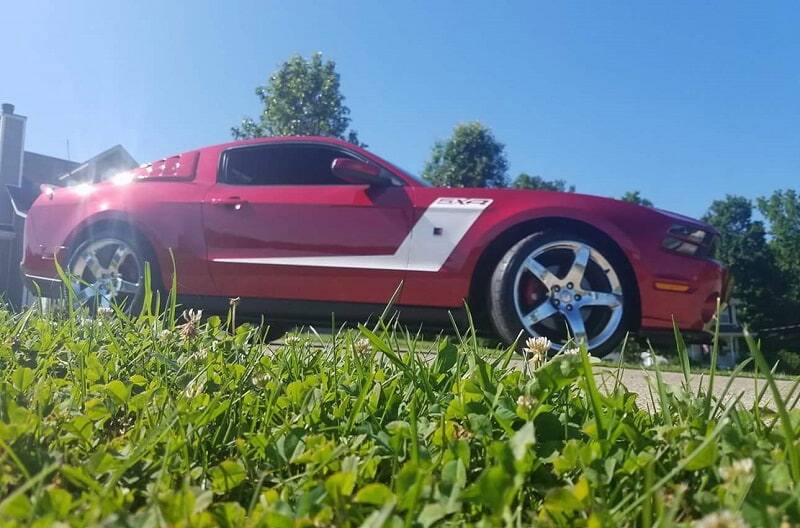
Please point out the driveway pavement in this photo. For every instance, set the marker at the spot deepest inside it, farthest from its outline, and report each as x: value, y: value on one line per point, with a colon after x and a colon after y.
x: 638, y: 380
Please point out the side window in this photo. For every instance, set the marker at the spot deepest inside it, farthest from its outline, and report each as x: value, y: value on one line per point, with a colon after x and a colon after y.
x: 282, y: 165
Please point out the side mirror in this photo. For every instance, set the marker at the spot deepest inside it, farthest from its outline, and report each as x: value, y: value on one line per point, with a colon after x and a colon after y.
x: 358, y: 172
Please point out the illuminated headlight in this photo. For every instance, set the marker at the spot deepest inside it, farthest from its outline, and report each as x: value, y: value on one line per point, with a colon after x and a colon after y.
x: 689, y: 240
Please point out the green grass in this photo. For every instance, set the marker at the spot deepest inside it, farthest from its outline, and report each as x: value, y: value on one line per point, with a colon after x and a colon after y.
x: 149, y: 421
x: 489, y: 348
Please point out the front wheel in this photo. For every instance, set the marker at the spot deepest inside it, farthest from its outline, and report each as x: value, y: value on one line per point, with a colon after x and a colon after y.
x: 564, y: 287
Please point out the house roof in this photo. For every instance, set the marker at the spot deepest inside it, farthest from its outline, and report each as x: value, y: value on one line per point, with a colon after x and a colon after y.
x: 38, y: 168
x: 115, y: 159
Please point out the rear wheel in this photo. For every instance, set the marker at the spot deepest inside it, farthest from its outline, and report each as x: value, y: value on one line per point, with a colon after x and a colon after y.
x: 107, y: 268
x: 564, y: 287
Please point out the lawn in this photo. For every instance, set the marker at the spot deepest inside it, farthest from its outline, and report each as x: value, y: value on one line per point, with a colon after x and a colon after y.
x: 165, y: 420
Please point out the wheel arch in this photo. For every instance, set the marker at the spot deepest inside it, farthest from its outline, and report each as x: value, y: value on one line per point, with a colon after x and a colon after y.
x: 118, y: 222
x: 500, y: 244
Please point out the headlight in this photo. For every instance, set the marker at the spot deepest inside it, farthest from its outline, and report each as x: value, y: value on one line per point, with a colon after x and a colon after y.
x: 695, y: 235
x: 690, y: 240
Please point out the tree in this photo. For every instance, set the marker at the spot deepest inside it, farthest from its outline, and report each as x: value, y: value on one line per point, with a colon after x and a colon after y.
x: 637, y: 198
x: 472, y: 157
x: 302, y: 98
x: 782, y: 210
x: 743, y: 248
x: 526, y: 181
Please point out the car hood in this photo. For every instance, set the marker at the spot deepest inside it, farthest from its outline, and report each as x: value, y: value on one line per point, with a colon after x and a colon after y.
x: 552, y: 201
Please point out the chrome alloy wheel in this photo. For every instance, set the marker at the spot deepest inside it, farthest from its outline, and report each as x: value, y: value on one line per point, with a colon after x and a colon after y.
x: 568, y: 290
x: 105, y: 271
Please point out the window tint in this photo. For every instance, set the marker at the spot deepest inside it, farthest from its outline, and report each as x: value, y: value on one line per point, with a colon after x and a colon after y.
x: 282, y: 165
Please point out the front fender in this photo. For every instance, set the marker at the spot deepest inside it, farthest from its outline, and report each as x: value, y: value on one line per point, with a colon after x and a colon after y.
x: 551, y: 215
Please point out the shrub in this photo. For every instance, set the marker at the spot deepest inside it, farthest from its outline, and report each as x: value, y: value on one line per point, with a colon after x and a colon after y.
x: 789, y: 361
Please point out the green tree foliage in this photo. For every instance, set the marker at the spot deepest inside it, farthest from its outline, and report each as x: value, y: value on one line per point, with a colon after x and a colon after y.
x: 526, y: 181
x: 637, y: 198
x: 472, y: 157
x: 302, y: 98
x: 744, y: 249
x: 782, y: 211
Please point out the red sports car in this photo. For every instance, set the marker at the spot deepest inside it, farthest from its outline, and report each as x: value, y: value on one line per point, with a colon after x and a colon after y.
x: 301, y: 228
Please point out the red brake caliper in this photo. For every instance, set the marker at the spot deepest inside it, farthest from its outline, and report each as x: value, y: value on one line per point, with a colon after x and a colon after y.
x: 533, y: 292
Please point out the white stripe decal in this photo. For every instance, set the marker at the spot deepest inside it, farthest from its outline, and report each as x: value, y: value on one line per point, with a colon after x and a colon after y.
x: 426, y: 247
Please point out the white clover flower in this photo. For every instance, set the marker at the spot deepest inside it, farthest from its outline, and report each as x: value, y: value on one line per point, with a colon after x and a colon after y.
x: 526, y: 402
x: 194, y: 389
x: 721, y: 519
x: 192, y: 316
x: 537, y: 345
x: 293, y: 340
x: 739, y: 468
x: 260, y: 379
x: 200, y: 354
x: 191, y: 327
x: 536, y: 349
x: 362, y: 346
x: 571, y: 351
x: 744, y: 465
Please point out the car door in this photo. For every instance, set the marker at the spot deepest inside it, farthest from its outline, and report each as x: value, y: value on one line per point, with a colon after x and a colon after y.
x: 279, y: 225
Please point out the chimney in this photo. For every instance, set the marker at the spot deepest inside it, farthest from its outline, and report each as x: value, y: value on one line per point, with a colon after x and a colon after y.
x: 12, y: 146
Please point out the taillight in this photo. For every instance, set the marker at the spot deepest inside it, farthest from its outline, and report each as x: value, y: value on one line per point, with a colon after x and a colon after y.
x: 47, y: 190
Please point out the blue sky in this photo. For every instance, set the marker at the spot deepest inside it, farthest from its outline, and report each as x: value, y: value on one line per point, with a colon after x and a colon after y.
x: 684, y: 101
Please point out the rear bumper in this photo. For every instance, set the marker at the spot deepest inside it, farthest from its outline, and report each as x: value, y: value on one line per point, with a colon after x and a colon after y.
x: 44, y: 286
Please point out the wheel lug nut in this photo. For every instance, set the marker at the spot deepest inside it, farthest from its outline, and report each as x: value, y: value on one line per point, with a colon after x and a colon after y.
x: 577, y: 297
x: 556, y: 289
x: 570, y: 285
x: 569, y: 307
x: 556, y: 302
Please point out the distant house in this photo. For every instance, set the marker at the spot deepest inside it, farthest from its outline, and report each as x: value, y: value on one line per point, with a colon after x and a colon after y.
x: 731, y: 336
x: 21, y: 174
x: 731, y: 340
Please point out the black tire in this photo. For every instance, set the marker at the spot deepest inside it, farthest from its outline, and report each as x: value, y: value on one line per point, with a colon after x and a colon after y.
x: 503, y: 287
x: 131, y: 302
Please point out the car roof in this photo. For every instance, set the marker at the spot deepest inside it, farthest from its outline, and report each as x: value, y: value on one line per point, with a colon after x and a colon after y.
x: 286, y: 139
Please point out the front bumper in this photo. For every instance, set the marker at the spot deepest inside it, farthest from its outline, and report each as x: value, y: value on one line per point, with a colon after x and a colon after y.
x: 707, y: 282
x: 694, y: 332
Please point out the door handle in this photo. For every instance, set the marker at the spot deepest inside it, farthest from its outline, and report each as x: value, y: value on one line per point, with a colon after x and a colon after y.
x: 231, y: 201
